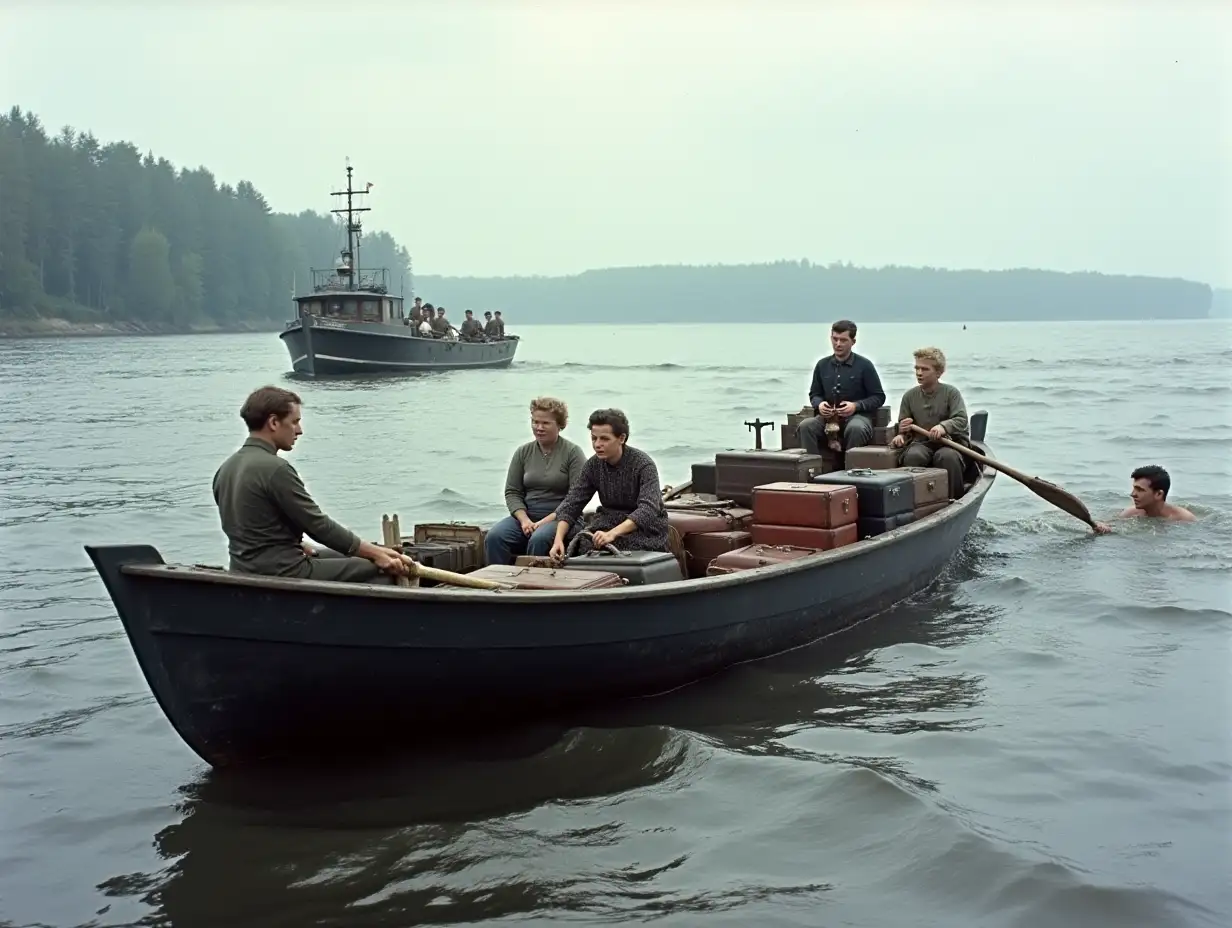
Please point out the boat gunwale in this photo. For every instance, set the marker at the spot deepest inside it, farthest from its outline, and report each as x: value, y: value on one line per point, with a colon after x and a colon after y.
x: 443, y: 594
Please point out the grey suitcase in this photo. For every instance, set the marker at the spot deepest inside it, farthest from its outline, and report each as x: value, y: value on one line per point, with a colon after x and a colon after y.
x: 637, y: 568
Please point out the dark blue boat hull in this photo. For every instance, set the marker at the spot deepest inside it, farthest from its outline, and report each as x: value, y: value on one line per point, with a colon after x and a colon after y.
x: 328, y: 348
x: 253, y: 669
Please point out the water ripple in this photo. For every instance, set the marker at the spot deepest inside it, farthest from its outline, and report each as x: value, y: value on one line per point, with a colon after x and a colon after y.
x: 1027, y: 742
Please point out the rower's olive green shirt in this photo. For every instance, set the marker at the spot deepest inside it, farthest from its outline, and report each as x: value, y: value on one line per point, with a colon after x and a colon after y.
x: 944, y: 407
x: 266, y: 512
x: 537, y: 482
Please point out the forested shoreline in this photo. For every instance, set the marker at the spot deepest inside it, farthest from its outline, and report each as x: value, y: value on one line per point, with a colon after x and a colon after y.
x: 101, y: 239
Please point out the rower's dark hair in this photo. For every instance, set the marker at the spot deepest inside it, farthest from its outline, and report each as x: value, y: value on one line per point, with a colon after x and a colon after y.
x: 1156, y: 476
x: 618, y: 421
x: 265, y: 402
x: 845, y: 326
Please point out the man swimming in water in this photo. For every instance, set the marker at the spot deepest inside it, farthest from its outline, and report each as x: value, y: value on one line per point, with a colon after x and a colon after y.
x: 1149, y: 491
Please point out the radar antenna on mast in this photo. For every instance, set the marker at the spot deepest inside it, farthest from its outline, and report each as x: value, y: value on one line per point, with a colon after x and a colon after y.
x: 348, y: 259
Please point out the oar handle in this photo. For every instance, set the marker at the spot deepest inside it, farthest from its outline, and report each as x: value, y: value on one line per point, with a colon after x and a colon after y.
x: 972, y: 453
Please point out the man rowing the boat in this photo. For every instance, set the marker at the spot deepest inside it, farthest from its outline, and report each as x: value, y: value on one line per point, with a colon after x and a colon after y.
x: 266, y: 511
x: 1149, y: 491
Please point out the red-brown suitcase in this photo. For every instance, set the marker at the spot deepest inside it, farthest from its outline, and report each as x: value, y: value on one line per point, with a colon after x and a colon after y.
x: 871, y: 456
x: 813, y: 505
x: 697, y: 521
x: 756, y: 556
x: 929, y: 509
x: 932, y: 484
x: 737, y: 472
x: 704, y: 547
x: 547, y: 578
x: 824, y: 539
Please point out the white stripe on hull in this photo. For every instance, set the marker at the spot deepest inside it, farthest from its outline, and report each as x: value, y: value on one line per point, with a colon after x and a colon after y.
x: 488, y: 363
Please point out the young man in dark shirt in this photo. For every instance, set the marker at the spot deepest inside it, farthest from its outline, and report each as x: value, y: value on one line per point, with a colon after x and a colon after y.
x: 845, y: 392
x: 266, y: 511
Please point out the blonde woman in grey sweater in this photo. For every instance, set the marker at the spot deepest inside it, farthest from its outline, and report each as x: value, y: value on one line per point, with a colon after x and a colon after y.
x: 540, y: 474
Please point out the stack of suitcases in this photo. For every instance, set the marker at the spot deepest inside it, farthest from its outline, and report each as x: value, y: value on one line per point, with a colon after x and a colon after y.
x: 893, y: 497
x: 793, y: 520
x: 877, y: 450
x: 709, y: 533
x: 453, y: 546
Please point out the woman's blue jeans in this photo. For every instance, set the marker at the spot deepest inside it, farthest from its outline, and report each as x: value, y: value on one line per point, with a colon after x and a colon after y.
x: 506, y: 541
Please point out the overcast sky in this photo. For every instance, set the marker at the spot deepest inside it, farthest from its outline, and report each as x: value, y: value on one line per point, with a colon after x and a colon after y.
x: 550, y: 138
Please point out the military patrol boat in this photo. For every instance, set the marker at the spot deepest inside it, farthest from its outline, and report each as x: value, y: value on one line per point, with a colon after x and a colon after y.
x: 351, y: 324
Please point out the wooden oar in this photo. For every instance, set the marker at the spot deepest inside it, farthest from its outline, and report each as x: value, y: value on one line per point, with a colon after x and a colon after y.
x: 424, y: 572
x: 1049, y: 492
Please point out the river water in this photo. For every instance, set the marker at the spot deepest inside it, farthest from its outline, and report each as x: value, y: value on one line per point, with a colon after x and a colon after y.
x: 1042, y: 739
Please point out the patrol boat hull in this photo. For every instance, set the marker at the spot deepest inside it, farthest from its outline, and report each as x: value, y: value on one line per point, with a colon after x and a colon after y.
x: 252, y: 670
x: 323, y: 347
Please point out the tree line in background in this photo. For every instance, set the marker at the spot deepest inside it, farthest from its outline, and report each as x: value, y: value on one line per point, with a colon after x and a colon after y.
x: 92, y: 232
x: 96, y: 233
x: 798, y: 291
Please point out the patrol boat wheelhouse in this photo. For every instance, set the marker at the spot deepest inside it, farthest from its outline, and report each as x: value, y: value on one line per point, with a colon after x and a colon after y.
x: 351, y: 324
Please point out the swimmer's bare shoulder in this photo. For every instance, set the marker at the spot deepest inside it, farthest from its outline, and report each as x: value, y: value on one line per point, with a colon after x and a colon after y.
x: 1170, y: 512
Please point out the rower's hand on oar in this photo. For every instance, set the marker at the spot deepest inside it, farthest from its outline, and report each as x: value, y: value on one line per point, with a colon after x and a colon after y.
x: 937, y: 431
x: 897, y: 441
x: 904, y: 426
x: 391, y: 561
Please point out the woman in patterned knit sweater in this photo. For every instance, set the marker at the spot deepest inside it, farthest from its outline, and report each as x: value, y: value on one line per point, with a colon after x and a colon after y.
x: 631, y: 515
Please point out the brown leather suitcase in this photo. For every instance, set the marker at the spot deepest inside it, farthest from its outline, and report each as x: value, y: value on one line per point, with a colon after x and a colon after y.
x: 789, y: 436
x: 932, y: 484
x: 881, y: 416
x: 929, y: 509
x: 470, y: 537
x: 548, y: 578
x: 704, y: 547
x: 872, y: 457
x: 882, y: 435
x: 532, y: 560
x: 696, y: 521
x: 801, y: 536
x: 753, y: 556
x: 737, y: 472
x: 453, y: 556
x: 812, y: 505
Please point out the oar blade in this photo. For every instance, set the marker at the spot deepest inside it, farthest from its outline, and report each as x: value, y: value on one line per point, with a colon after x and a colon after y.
x: 1061, y: 498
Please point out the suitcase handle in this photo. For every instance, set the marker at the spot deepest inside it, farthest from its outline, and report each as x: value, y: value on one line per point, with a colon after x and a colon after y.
x: 571, y: 551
